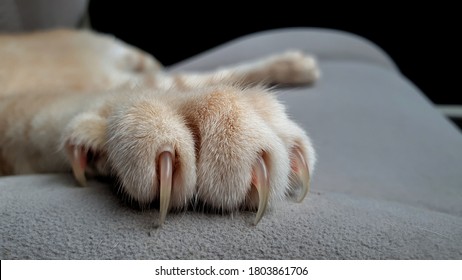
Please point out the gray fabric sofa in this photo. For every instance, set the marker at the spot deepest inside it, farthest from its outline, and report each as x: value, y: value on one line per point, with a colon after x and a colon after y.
x: 388, y: 184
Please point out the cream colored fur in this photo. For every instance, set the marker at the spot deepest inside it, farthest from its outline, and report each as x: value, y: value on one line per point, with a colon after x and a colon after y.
x: 67, y: 88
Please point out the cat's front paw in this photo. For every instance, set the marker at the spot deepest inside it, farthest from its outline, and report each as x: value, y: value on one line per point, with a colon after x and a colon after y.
x: 227, y: 148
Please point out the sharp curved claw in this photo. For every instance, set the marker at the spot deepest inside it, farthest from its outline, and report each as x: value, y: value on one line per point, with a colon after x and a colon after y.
x: 300, y: 168
x: 166, y: 175
x: 260, y: 181
x: 78, y: 157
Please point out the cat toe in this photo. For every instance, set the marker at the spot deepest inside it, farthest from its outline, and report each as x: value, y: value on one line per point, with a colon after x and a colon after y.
x: 151, y: 154
x: 78, y: 158
x: 249, y: 153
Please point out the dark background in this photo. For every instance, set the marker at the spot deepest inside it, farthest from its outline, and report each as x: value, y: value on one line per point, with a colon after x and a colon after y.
x: 420, y: 38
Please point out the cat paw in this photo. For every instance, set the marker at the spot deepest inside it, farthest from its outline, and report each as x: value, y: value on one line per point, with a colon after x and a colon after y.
x: 292, y: 68
x: 224, y: 147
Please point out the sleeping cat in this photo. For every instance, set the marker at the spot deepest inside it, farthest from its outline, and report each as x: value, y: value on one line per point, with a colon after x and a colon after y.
x: 88, y: 103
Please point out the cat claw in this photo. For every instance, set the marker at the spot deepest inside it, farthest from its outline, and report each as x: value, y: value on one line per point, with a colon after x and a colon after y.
x: 301, y: 171
x: 165, y: 162
x: 261, y: 183
x: 78, y: 158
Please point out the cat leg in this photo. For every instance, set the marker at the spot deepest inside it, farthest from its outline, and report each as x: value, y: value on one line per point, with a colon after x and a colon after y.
x: 289, y: 68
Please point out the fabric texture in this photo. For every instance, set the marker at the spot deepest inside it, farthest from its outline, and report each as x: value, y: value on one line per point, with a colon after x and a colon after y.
x: 388, y: 183
x: 25, y: 15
